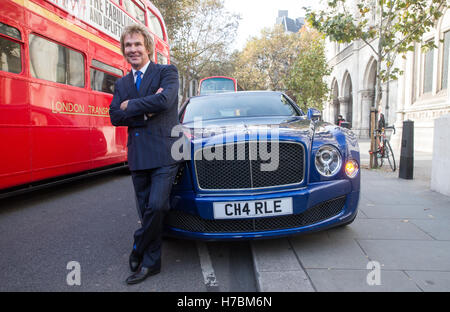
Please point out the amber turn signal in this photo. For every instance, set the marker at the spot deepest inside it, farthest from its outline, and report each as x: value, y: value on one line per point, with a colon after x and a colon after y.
x: 351, y: 168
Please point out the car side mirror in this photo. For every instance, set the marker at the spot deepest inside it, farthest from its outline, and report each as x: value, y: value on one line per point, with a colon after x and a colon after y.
x: 314, y: 114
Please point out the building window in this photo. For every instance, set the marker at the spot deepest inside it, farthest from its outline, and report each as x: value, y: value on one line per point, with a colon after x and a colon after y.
x: 54, y: 62
x: 428, y: 71
x: 445, y: 60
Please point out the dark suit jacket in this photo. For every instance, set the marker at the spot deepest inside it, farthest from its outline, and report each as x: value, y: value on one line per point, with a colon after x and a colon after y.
x: 149, y: 141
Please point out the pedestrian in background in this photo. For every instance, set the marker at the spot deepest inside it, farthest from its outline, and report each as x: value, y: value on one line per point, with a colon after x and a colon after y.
x: 340, y: 120
x: 381, y: 121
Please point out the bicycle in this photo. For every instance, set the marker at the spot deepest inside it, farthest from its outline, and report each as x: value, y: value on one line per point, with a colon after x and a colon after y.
x: 384, y: 149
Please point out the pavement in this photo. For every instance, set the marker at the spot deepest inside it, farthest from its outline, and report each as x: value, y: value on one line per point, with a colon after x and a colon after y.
x: 400, y: 241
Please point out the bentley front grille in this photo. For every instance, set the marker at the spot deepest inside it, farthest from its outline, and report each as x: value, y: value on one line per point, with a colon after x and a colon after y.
x: 250, y: 165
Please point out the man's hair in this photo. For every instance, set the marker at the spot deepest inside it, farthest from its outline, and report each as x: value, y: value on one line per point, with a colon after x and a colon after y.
x: 138, y: 29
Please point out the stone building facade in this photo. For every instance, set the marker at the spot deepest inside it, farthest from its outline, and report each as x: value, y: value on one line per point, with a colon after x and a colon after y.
x: 421, y: 94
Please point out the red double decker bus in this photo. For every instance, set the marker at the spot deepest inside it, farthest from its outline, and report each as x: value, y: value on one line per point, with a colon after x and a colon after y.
x: 218, y: 84
x: 59, y: 60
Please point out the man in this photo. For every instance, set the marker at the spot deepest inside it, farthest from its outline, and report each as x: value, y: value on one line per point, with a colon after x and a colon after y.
x: 381, y: 121
x: 146, y: 100
x: 381, y: 125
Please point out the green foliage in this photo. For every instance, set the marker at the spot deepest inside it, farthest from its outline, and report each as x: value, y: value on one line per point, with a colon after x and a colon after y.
x: 293, y: 63
x: 265, y: 61
x: 306, y: 78
x: 176, y: 13
x: 201, y: 32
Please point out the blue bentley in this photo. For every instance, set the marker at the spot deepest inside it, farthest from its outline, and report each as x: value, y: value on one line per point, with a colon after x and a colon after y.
x: 257, y: 167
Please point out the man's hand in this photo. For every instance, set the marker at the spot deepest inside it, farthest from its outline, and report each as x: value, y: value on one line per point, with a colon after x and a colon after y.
x: 124, y: 105
x: 157, y: 92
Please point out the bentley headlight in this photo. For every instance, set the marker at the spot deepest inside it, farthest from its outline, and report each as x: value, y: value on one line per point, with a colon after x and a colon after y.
x: 328, y: 160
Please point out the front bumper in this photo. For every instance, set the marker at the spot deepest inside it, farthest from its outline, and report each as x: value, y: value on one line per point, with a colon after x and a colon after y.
x: 316, y: 207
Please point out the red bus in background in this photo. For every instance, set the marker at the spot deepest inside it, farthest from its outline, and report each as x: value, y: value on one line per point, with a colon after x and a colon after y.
x: 59, y: 60
x: 218, y: 84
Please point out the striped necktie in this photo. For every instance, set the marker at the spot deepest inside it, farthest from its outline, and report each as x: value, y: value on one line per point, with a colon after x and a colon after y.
x: 138, y: 79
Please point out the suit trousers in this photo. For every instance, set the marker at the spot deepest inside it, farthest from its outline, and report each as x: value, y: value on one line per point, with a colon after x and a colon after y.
x: 152, y: 189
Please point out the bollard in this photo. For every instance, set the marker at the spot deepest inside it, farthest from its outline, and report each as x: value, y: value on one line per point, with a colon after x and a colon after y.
x: 406, y: 170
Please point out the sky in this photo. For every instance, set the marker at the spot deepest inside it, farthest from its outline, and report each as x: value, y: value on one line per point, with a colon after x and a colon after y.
x: 258, y: 14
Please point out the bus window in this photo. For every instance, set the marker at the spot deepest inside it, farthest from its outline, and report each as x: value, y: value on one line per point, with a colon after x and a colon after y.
x: 135, y: 11
x: 10, y: 31
x: 10, y: 51
x: 103, y: 81
x: 107, y: 67
x: 155, y: 25
x: 162, y: 59
x: 54, y: 62
x: 212, y: 85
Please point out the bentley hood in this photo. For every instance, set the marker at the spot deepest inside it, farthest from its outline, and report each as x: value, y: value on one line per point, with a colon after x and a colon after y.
x: 255, y: 128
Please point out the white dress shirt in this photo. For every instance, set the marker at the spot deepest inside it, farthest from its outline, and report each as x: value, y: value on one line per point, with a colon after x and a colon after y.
x: 142, y: 70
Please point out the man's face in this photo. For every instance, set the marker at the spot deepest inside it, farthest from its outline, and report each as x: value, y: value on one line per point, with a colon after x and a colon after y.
x: 135, y: 52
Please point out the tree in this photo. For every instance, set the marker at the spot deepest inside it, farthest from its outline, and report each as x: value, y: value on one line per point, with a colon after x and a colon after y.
x: 265, y: 62
x: 223, y: 65
x: 249, y: 76
x: 291, y: 62
x: 306, y: 77
x: 202, y: 38
x: 397, y: 24
x: 176, y: 13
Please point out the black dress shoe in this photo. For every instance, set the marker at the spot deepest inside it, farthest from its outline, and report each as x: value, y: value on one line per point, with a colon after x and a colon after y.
x: 135, y: 261
x: 142, y: 274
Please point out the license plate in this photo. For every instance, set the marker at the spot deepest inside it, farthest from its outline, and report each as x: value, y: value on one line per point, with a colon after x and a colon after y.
x: 253, y: 208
